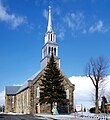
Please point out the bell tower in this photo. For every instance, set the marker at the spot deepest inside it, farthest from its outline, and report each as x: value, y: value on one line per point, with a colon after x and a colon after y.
x: 50, y: 44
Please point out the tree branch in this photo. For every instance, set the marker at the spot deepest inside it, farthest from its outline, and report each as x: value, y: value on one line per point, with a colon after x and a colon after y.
x: 92, y: 81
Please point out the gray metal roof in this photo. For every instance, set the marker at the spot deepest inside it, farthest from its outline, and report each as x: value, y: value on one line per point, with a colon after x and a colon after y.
x: 35, y: 75
x: 22, y: 87
x: 11, y: 90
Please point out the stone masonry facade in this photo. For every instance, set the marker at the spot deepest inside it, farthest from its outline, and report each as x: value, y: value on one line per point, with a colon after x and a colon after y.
x: 26, y: 101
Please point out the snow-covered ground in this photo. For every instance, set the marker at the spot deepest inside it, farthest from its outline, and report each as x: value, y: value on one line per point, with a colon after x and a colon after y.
x: 78, y: 116
x: 72, y: 116
x: 94, y: 116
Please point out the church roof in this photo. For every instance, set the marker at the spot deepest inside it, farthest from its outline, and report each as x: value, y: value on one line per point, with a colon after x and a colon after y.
x: 33, y: 76
x: 22, y: 87
x: 11, y: 90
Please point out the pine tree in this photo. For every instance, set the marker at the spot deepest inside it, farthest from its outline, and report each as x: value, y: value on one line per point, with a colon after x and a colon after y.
x: 52, y: 90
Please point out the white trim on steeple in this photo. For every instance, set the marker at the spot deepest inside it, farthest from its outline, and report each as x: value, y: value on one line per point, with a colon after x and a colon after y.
x: 49, y: 27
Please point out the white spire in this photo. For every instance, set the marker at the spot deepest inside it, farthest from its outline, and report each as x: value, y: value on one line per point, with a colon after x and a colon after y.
x: 49, y: 27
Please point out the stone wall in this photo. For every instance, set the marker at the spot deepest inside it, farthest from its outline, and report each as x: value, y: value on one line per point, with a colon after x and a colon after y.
x: 27, y: 101
x: 45, y: 108
x: 23, y: 102
x: 10, y: 103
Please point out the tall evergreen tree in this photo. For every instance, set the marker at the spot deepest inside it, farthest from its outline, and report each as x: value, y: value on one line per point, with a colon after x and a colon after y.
x: 52, y: 90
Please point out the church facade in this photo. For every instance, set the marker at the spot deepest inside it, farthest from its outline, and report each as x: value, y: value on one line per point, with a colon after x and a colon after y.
x: 25, y: 99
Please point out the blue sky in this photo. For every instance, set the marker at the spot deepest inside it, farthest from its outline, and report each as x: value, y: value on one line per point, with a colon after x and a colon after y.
x: 82, y: 28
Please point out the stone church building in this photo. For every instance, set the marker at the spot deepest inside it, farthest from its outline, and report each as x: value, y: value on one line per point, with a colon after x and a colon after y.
x: 25, y: 99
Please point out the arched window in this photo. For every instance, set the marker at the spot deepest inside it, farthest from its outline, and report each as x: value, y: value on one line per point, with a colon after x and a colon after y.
x: 49, y: 51
x: 13, y: 102
x: 52, y: 49
x: 55, y: 51
x: 51, y: 37
x: 37, y: 92
x: 67, y: 94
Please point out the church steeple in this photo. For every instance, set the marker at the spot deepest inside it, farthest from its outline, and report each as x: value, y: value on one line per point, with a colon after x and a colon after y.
x: 50, y: 44
x: 49, y: 27
x: 50, y: 35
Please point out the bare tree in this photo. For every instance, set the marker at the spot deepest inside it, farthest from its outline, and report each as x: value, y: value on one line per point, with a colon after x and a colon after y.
x: 97, y: 70
x: 101, y: 91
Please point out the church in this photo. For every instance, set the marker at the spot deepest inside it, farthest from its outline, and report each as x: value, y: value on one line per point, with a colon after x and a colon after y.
x: 25, y: 98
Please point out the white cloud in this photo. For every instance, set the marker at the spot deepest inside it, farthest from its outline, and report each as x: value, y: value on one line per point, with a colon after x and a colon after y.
x: 83, y: 88
x: 98, y: 27
x: 45, y: 14
x: 57, y: 11
x: 17, y: 84
x: 11, y: 19
x: 61, y: 35
x: 75, y: 21
x: 60, y: 32
x: 80, y: 81
x: 2, y: 98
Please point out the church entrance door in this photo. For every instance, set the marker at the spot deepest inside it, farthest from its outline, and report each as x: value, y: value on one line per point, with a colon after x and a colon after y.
x: 36, y: 108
